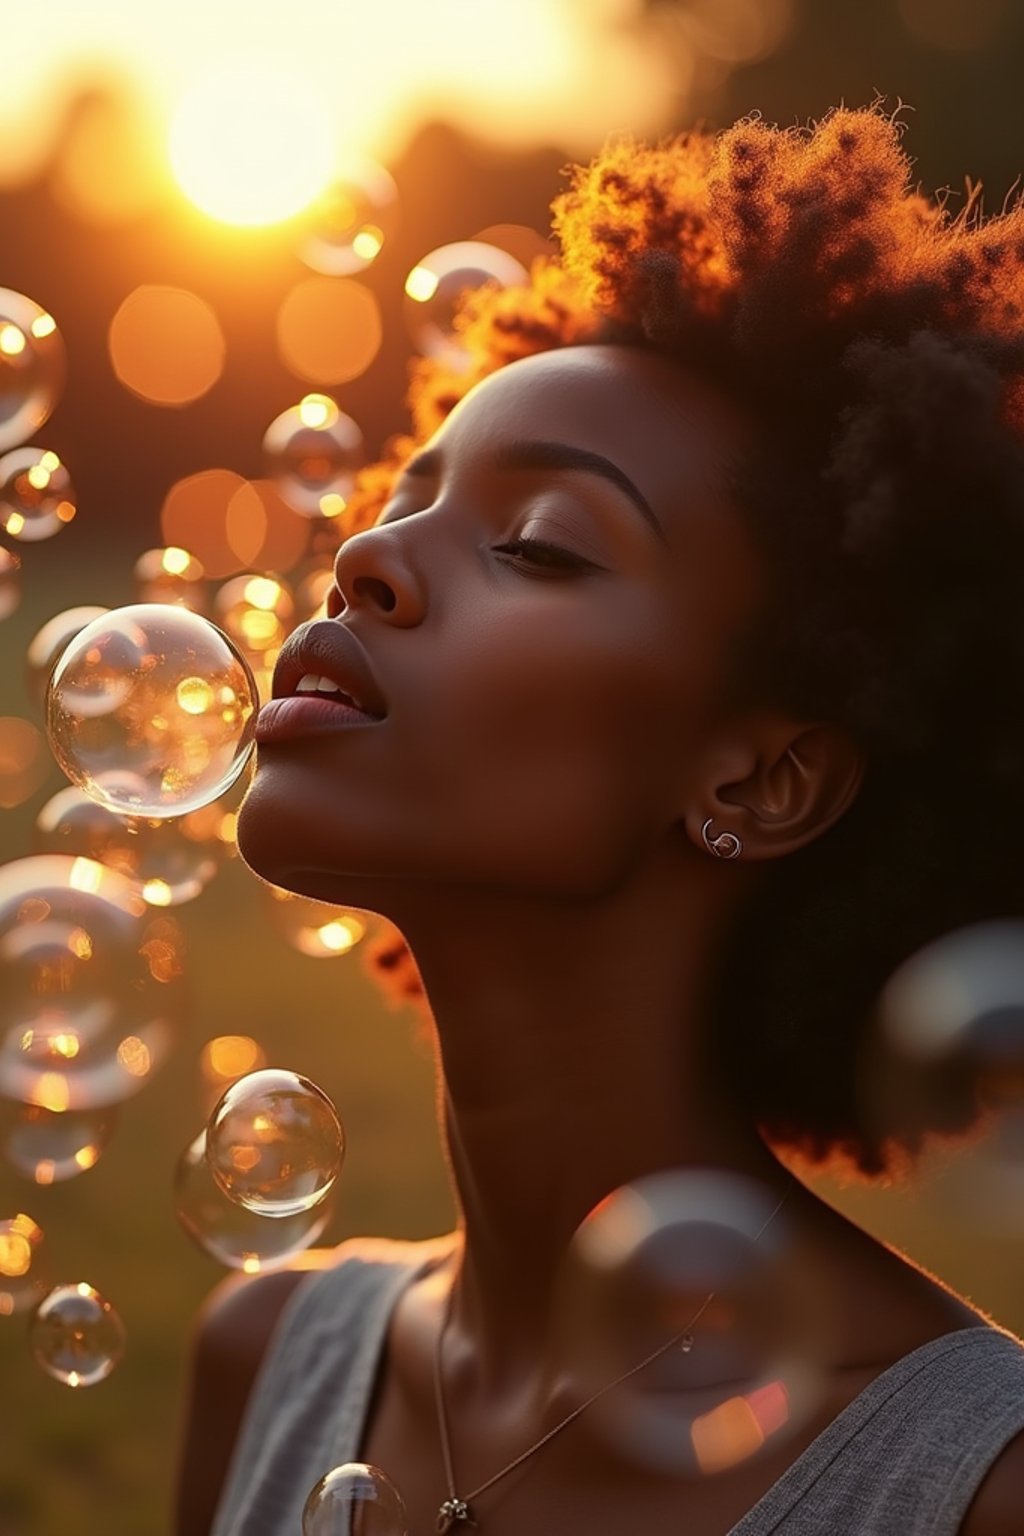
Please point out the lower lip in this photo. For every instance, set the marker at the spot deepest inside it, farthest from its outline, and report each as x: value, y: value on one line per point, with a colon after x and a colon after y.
x: 303, y: 715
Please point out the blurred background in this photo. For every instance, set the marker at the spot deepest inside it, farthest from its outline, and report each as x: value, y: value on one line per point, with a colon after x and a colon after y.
x: 244, y: 220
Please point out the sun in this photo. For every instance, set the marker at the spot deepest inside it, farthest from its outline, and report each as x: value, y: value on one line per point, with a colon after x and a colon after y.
x: 250, y: 145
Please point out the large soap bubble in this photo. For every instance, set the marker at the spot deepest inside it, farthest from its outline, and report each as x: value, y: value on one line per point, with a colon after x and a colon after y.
x: 33, y: 366
x: 89, y: 990
x: 159, y: 699
x: 355, y: 1499
x: 274, y: 1143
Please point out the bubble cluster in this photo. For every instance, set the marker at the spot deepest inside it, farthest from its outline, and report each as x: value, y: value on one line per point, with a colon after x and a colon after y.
x: 313, y: 451
x: 158, y: 697
x: 702, y: 1262
x: 36, y: 496
x: 76, y: 1335
x: 89, y: 996
x: 274, y: 1143
x: 33, y: 367
x: 228, y: 1232
x: 355, y: 1499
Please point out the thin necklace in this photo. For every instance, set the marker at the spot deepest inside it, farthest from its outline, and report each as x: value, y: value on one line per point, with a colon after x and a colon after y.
x: 455, y: 1510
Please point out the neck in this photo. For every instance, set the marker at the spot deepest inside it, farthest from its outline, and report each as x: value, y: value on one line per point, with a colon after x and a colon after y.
x: 570, y: 1047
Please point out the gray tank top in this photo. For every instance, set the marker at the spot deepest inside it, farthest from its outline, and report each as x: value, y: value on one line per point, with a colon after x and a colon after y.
x: 904, y: 1458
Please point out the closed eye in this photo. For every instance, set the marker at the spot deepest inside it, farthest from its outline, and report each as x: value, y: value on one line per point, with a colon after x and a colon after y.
x: 539, y: 552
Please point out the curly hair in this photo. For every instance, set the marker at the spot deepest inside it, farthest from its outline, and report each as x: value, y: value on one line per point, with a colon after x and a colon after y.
x: 879, y: 342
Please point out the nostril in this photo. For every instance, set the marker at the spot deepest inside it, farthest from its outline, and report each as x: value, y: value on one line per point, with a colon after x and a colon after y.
x: 334, y: 603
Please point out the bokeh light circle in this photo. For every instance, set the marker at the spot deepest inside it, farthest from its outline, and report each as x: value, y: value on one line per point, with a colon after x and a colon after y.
x: 37, y: 499
x: 23, y: 1281
x: 166, y: 345
x: 355, y: 1498
x: 33, y: 367
x: 329, y: 329
x: 274, y: 1143
x: 151, y: 710
x: 230, y: 1233
x: 10, y: 582
x: 24, y: 760
x: 76, y: 1335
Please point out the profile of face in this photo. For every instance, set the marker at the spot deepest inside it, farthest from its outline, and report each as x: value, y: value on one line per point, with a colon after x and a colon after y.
x: 548, y: 711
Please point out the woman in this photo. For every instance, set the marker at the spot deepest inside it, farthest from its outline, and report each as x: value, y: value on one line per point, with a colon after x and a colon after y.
x: 693, y: 645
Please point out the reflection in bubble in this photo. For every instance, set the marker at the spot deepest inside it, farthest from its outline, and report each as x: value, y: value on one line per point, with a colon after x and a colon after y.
x: 22, y: 1264
x: 227, y: 1231
x: 350, y: 222
x: 89, y: 988
x: 314, y: 928
x: 355, y: 1499
x: 157, y: 693
x: 436, y: 284
x: 36, y: 495
x: 274, y: 1143
x: 695, y: 1273
x: 48, y: 642
x: 33, y: 367
x: 48, y: 1148
x: 256, y: 613
x: 312, y: 452
x: 76, y: 1336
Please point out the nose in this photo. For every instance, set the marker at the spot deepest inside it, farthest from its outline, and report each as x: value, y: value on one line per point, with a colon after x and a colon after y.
x: 366, y: 570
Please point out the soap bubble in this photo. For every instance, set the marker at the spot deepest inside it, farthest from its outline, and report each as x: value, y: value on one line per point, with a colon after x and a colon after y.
x: 255, y: 612
x: 10, y: 582
x: 434, y: 287
x: 275, y: 1143
x: 36, y: 495
x: 355, y: 1499
x: 695, y: 1260
x: 33, y: 367
x: 170, y: 862
x: 170, y: 575
x: 48, y: 1147
x: 157, y: 693
x: 314, y: 928
x: 352, y: 219
x: 312, y: 452
x: 227, y: 1231
x: 89, y: 994
x: 76, y: 1336
x: 22, y: 1263
x: 48, y: 642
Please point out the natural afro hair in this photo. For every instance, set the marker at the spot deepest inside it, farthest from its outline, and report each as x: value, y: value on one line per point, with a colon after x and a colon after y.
x: 879, y: 343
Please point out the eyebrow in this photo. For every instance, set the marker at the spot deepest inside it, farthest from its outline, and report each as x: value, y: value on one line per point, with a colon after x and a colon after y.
x: 520, y: 453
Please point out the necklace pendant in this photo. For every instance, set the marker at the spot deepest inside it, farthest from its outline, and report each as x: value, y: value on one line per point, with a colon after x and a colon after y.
x: 453, y: 1512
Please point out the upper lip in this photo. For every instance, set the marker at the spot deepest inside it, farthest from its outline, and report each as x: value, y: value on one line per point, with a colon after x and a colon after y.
x: 326, y: 648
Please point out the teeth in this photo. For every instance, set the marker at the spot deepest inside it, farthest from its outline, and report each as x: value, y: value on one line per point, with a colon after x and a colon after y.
x: 310, y: 683
x: 307, y: 683
x: 327, y: 686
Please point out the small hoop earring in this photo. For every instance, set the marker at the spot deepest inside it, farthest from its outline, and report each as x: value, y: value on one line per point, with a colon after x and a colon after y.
x: 725, y: 846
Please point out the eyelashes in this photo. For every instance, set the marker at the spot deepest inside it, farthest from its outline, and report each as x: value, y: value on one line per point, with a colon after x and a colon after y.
x: 546, y: 556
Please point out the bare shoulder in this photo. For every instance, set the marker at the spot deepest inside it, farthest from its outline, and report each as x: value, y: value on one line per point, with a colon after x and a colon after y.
x: 234, y: 1327
x: 995, y: 1509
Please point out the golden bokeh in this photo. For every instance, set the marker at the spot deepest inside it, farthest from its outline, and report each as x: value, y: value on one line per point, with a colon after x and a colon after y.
x: 24, y: 760
x: 166, y: 345
x: 329, y: 329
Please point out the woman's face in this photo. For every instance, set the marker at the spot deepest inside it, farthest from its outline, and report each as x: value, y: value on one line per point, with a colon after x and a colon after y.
x: 547, y: 721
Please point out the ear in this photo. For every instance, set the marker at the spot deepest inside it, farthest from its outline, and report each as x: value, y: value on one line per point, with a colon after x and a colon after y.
x: 797, y: 786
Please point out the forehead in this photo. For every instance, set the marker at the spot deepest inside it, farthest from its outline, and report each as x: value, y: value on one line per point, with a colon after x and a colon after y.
x: 669, y: 431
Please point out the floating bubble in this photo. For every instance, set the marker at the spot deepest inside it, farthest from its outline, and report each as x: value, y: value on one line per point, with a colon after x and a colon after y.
x: 160, y: 695
x: 256, y: 612
x: 352, y: 219
x: 33, y: 366
x: 699, y: 1261
x: 170, y: 575
x: 89, y: 993
x: 313, y: 451
x: 36, y: 495
x: 436, y: 284
x: 22, y: 1262
x: 314, y: 928
x: 10, y: 582
x: 355, y: 1499
x: 48, y: 1148
x: 227, y: 1231
x: 48, y: 643
x: 76, y: 1336
x: 170, y: 861
x: 274, y: 1143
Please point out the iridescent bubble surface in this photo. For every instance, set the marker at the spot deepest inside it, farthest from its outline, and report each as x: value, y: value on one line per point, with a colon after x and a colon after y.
x: 702, y: 1262
x: 228, y: 1232
x: 49, y: 1148
x: 355, y: 1499
x: 37, y: 498
x: 160, y: 695
x: 90, y: 995
x: 274, y: 1143
x: 312, y: 451
x: 76, y: 1335
x: 33, y: 367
